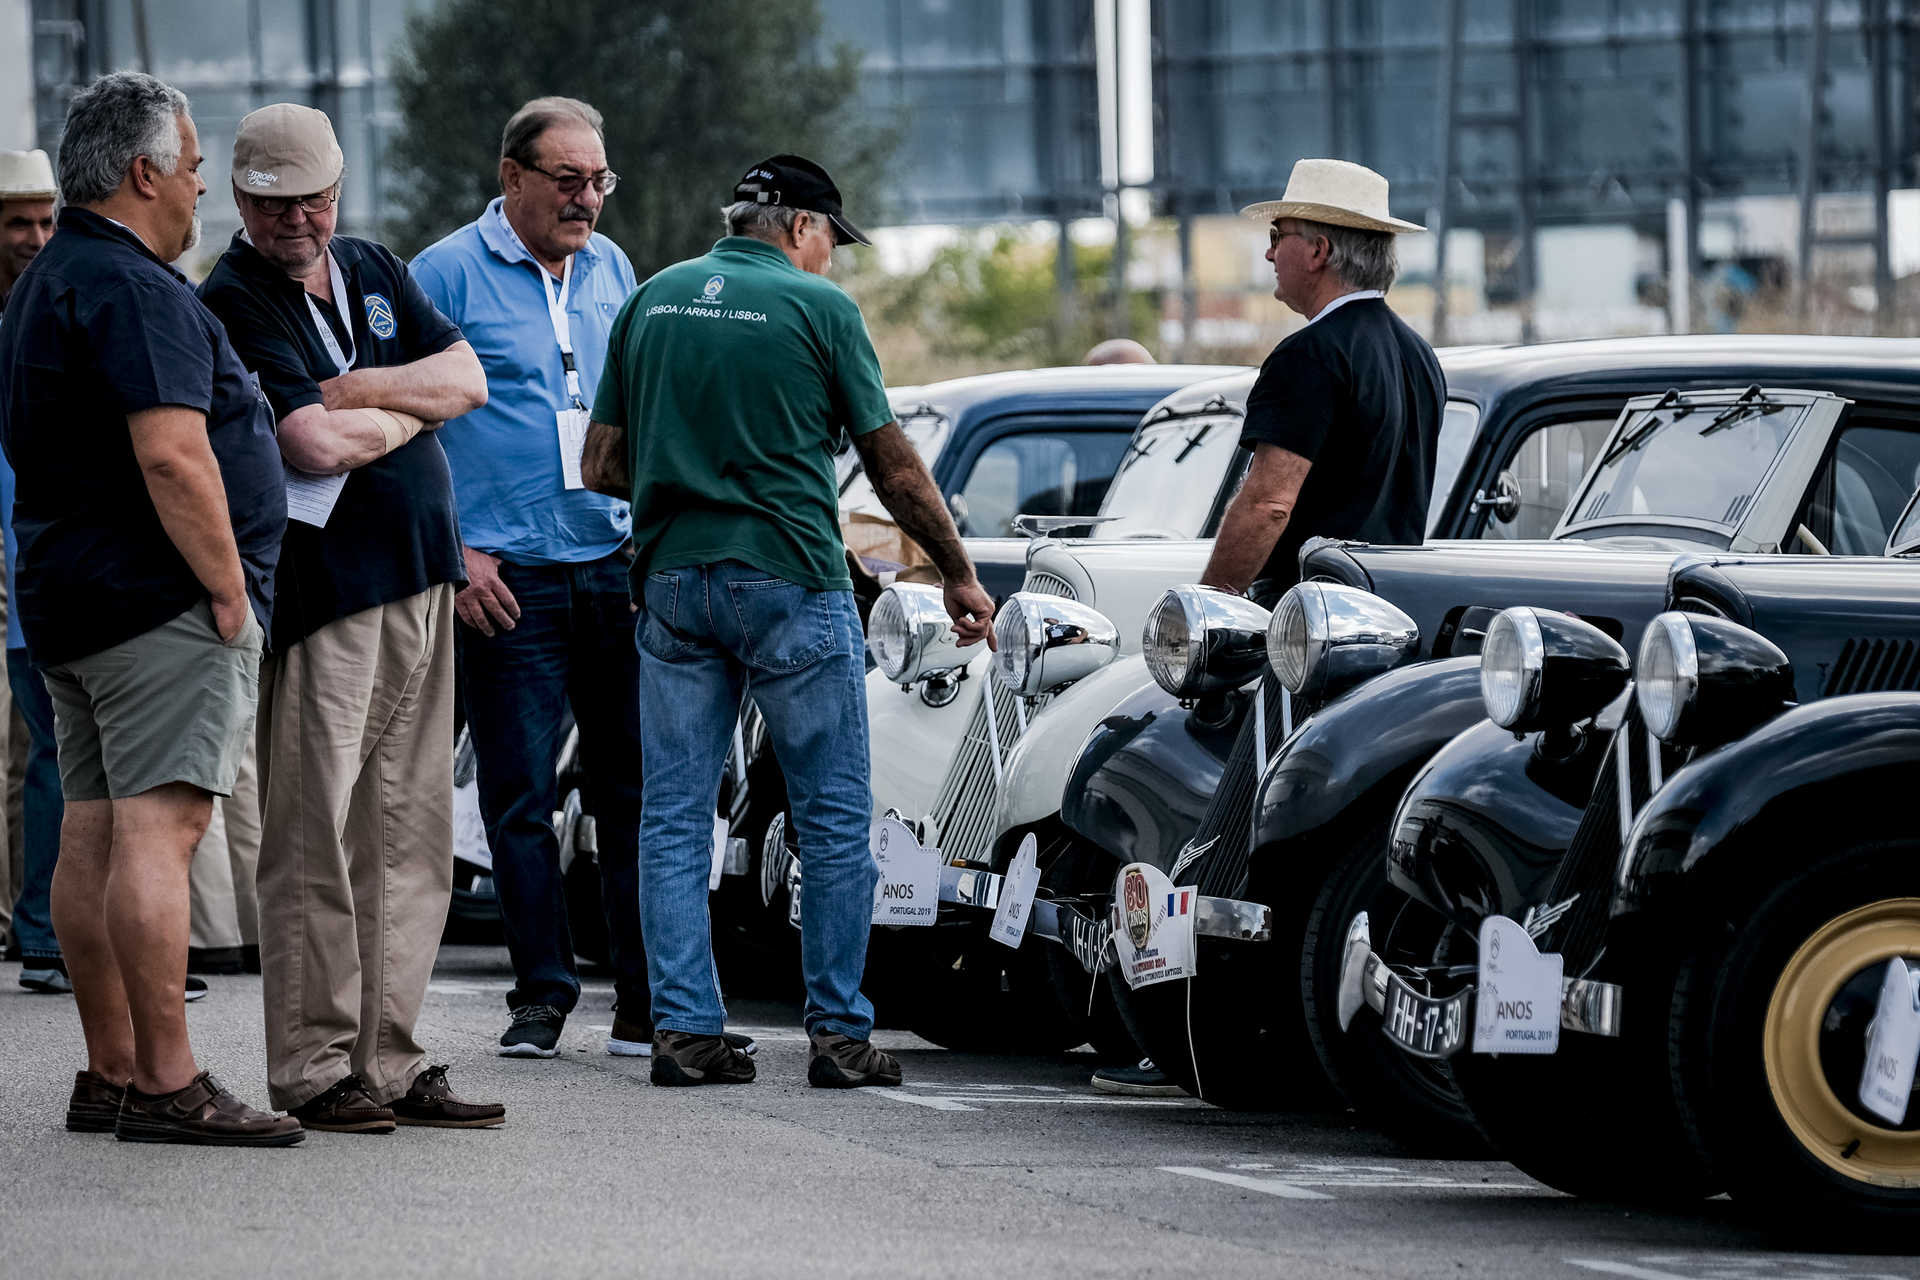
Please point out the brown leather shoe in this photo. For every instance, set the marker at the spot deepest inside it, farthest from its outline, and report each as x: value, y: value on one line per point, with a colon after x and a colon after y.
x: 95, y: 1104
x: 203, y: 1113
x: 430, y: 1101
x: 345, y: 1107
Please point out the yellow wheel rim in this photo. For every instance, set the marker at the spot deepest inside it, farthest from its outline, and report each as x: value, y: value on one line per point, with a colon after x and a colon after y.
x: 1838, y: 951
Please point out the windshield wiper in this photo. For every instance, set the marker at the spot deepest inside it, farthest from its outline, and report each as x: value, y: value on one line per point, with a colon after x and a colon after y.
x: 1642, y: 431
x: 1134, y: 450
x: 1193, y: 442
x: 1752, y: 401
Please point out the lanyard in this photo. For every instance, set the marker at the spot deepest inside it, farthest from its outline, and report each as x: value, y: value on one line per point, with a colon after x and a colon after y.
x: 556, y: 299
x: 343, y: 360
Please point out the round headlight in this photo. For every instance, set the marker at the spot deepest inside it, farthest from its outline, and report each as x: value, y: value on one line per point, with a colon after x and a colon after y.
x: 1541, y: 670
x: 1702, y: 681
x: 910, y: 635
x: 1047, y: 642
x: 888, y: 637
x: 1201, y: 640
x: 1326, y: 638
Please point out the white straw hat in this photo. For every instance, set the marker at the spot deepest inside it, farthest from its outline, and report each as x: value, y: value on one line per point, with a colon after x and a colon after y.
x: 1333, y: 191
x: 26, y: 175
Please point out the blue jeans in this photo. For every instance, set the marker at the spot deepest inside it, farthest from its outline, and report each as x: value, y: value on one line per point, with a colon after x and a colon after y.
x: 708, y: 635
x: 41, y: 811
x: 569, y: 647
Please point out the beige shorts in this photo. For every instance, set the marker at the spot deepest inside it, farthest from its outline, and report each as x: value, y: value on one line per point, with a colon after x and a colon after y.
x: 174, y: 704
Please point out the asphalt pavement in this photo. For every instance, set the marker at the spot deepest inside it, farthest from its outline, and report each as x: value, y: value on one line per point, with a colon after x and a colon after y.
x: 976, y: 1166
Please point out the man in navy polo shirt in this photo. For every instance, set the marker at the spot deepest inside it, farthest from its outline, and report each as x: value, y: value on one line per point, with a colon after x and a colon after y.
x: 546, y: 622
x: 149, y: 513
x: 356, y: 703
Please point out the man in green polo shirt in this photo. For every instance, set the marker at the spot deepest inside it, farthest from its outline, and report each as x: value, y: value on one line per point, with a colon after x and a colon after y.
x: 728, y: 381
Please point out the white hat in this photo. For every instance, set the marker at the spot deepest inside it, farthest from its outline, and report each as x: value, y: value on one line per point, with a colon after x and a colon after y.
x: 1334, y: 191
x: 26, y: 175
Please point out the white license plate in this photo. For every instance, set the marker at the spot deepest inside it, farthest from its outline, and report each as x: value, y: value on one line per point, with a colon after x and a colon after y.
x: 1426, y: 1026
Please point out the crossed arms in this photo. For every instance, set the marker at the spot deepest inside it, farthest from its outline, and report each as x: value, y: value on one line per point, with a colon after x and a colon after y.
x: 365, y: 414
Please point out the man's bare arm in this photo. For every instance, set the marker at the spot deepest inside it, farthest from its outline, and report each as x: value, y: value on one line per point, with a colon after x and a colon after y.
x: 183, y: 479
x: 434, y: 388
x: 905, y: 487
x: 328, y: 442
x: 1256, y: 517
x: 603, y: 461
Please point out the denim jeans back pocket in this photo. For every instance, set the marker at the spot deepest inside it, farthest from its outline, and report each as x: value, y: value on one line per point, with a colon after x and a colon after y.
x: 660, y: 602
x: 787, y: 627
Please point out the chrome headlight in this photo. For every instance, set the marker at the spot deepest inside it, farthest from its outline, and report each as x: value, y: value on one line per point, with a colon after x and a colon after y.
x: 1701, y: 681
x: 910, y: 635
x: 1047, y: 642
x: 1540, y: 669
x: 1202, y: 640
x: 1326, y: 638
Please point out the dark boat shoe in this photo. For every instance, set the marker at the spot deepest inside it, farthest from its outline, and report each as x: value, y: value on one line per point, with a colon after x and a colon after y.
x: 202, y: 1113
x: 682, y: 1058
x: 430, y: 1101
x: 95, y: 1105
x: 345, y: 1107
x: 841, y: 1062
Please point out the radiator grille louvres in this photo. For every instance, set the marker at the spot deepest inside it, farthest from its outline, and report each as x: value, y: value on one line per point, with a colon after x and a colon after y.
x: 1048, y: 584
x: 1228, y: 821
x: 1874, y: 666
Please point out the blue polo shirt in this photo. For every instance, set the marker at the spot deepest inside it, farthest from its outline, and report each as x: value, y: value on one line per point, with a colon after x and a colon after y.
x: 506, y: 456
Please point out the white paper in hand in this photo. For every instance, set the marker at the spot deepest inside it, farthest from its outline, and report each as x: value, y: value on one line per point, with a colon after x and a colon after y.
x: 1152, y: 926
x: 719, y: 853
x: 1016, y: 895
x: 1517, y: 1009
x: 310, y: 498
x: 1893, y: 1046
x: 909, y: 888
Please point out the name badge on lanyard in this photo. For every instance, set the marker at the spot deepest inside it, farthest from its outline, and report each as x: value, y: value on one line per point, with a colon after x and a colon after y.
x: 570, y: 420
x: 311, y: 498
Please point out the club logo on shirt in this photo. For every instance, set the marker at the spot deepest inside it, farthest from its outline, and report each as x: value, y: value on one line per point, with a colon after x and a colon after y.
x: 713, y: 287
x: 380, y: 316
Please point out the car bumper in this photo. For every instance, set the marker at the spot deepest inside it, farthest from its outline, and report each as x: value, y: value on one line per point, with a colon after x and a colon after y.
x: 1586, y: 1006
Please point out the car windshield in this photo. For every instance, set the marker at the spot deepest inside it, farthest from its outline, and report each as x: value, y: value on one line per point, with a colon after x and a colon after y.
x: 1688, y: 464
x: 1166, y: 484
x: 926, y: 431
x: 1906, y: 535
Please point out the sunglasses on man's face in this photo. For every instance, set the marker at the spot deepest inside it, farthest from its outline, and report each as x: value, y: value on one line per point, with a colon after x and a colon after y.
x: 277, y: 206
x: 572, y: 184
x: 1275, y: 235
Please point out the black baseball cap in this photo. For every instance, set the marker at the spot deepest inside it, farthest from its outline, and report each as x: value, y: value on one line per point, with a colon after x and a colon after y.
x: 799, y: 183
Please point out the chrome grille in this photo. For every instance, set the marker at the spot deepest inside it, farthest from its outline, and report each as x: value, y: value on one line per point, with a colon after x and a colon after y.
x: 1874, y: 666
x: 1048, y: 584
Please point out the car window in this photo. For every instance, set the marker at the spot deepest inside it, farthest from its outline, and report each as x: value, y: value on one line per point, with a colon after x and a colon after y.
x: 1169, y: 478
x: 1036, y: 473
x: 926, y: 432
x: 1457, y: 426
x: 1546, y: 469
x: 1862, y: 489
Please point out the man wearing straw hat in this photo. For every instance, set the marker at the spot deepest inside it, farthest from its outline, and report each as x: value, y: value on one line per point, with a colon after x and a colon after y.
x: 1343, y: 419
x: 26, y: 213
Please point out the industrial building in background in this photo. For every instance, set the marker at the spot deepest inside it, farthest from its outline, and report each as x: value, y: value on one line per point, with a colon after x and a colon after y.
x: 1586, y: 166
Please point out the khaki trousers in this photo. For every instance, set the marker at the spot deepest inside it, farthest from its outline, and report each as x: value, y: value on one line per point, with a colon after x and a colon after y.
x: 356, y: 855
x: 226, y: 912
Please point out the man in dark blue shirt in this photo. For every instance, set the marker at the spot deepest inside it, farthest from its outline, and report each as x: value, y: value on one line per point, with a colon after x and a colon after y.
x: 148, y: 515
x: 356, y: 701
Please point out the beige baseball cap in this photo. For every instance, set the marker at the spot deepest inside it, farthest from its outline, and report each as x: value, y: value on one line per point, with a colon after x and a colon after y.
x: 286, y: 150
x: 26, y: 175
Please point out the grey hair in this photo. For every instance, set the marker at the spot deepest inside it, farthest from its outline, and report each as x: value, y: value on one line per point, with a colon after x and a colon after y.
x: 527, y: 125
x: 111, y: 122
x: 1364, y: 259
x: 761, y: 221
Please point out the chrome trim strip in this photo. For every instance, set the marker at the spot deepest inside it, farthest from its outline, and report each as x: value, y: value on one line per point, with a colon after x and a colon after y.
x: 1654, y: 775
x: 1623, y: 776
x: 1232, y: 918
x: 967, y: 887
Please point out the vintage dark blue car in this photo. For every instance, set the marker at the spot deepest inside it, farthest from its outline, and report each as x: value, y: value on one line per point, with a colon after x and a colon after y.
x: 1718, y: 867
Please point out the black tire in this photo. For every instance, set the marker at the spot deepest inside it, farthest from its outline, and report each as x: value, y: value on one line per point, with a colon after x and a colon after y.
x: 1412, y: 1100
x: 1759, y: 1109
x: 1087, y: 1000
x: 983, y: 997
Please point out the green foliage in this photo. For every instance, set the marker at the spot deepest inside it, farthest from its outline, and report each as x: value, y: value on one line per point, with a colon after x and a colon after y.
x: 693, y: 91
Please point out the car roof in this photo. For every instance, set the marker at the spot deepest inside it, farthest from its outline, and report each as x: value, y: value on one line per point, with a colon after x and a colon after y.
x: 1126, y: 387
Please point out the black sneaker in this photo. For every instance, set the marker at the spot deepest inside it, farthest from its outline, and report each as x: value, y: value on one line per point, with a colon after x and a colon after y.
x: 47, y: 975
x: 534, y: 1032
x: 196, y: 989
x: 1142, y: 1080
x: 682, y: 1058
x: 841, y: 1062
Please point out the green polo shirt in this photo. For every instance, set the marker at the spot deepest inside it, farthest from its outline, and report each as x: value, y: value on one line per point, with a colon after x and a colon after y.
x: 733, y: 375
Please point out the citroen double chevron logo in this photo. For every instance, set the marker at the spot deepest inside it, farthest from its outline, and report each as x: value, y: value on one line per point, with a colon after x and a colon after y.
x: 1191, y: 854
x: 1540, y: 919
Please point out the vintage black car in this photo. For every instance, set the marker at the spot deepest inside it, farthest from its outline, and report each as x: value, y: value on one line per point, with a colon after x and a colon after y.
x: 1190, y: 788
x: 1718, y: 868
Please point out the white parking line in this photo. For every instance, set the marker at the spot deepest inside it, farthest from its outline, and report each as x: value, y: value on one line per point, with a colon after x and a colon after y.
x: 974, y: 1097
x: 1295, y: 1182
x: 1729, y: 1267
x: 1265, y: 1186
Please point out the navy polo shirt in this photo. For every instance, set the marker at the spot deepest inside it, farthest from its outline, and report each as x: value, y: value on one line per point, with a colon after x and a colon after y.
x: 98, y: 328
x: 394, y: 531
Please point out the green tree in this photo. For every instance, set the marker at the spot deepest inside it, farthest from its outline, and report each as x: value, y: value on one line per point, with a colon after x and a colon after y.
x: 693, y: 92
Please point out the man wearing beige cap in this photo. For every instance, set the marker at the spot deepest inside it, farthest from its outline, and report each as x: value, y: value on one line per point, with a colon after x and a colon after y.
x: 26, y: 213
x: 355, y: 735
x: 1345, y: 414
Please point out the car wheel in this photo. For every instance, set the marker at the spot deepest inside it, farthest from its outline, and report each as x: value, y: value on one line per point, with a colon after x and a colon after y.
x: 580, y: 884
x: 983, y: 997
x: 1768, y: 1044
x: 1413, y: 1100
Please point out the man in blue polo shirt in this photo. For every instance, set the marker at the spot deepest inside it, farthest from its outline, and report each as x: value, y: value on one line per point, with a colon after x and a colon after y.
x: 545, y: 618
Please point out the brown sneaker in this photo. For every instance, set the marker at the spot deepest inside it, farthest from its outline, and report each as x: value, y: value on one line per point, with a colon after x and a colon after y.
x: 430, y: 1101
x: 95, y: 1104
x: 682, y: 1058
x: 841, y: 1062
x: 345, y: 1107
x: 203, y: 1113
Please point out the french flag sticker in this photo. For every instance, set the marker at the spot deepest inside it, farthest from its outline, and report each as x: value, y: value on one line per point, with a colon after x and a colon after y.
x: 1179, y: 902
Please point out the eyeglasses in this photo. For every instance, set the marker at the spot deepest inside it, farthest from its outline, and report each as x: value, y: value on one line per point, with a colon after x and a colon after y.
x: 277, y: 206
x: 1275, y: 235
x: 572, y: 184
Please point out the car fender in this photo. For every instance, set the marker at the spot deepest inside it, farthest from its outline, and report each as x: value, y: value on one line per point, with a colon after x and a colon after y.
x: 911, y: 744
x: 1817, y: 777
x: 1037, y: 769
